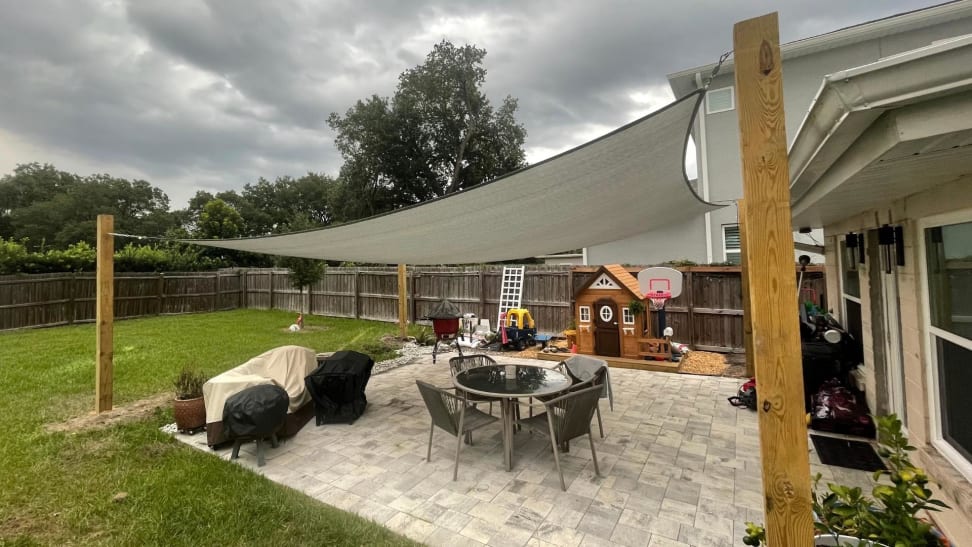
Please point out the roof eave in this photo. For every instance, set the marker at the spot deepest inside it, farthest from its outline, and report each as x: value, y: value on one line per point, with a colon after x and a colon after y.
x: 851, y: 100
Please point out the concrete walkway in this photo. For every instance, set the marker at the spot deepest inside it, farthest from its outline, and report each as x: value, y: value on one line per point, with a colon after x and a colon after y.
x: 679, y: 466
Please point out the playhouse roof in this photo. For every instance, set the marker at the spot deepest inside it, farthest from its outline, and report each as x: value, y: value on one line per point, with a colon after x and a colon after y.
x: 625, y: 183
x: 620, y: 275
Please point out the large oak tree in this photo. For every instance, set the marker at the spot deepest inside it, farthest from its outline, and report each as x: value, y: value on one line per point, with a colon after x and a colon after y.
x: 438, y: 134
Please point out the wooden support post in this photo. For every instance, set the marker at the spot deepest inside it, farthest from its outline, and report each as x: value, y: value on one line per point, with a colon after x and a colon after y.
x: 744, y: 277
x: 776, y: 335
x: 482, y: 292
x: 105, y: 313
x: 402, y: 302
x: 688, y: 297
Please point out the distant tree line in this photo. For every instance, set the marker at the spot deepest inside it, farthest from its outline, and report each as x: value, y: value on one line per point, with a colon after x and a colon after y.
x: 437, y: 134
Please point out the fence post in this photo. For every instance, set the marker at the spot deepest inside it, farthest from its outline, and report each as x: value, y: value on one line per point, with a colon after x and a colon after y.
x: 690, y: 305
x: 216, y: 298
x: 72, y: 287
x: 570, y: 297
x: 411, y: 296
x: 243, y: 303
x: 161, y: 296
x: 482, y: 291
x: 354, y: 287
x: 271, y: 290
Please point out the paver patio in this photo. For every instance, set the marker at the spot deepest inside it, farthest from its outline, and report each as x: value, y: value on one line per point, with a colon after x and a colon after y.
x: 679, y: 466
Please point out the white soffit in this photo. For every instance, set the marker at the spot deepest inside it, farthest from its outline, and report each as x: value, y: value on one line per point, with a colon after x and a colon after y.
x: 864, y: 120
x: 625, y: 183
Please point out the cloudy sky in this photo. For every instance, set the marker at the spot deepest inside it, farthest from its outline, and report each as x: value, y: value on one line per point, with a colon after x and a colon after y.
x: 192, y: 94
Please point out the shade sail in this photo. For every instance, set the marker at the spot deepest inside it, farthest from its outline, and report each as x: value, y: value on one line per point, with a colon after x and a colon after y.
x: 622, y: 184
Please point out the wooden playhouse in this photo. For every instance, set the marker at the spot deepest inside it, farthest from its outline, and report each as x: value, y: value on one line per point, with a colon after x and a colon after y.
x: 606, y: 326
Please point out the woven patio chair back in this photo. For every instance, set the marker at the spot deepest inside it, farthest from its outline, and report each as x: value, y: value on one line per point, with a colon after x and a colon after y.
x: 463, y: 363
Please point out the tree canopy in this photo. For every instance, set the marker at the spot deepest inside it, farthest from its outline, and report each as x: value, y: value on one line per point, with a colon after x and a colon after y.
x: 438, y: 134
x: 52, y: 208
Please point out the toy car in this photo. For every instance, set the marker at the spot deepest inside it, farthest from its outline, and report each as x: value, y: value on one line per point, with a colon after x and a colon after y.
x: 518, y: 330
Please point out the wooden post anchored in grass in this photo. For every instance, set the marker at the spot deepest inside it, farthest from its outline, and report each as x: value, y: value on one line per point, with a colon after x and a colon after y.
x: 402, y: 302
x: 744, y: 275
x: 772, y: 287
x: 105, y: 313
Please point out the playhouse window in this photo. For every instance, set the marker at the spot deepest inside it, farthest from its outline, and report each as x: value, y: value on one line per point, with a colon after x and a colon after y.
x: 627, y: 316
x: 585, y: 314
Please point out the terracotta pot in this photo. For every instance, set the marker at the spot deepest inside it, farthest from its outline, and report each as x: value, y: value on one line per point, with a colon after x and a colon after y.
x: 190, y: 414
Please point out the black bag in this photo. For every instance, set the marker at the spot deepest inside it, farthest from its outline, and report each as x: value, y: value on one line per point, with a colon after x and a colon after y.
x: 746, y: 396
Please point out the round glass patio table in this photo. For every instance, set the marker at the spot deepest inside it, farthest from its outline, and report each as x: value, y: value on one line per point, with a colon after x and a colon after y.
x: 507, y: 383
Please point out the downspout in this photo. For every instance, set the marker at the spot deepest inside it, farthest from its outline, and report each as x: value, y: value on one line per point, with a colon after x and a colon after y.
x: 704, y: 172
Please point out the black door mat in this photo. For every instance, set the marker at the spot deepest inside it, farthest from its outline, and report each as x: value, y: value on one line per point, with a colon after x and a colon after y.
x: 845, y: 453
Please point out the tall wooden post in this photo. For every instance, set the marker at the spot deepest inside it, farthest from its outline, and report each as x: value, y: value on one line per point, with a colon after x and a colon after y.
x: 402, y: 302
x: 104, y: 313
x: 744, y: 276
x: 773, y: 310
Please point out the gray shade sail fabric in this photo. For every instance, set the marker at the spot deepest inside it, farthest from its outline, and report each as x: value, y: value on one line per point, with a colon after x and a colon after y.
x: 619, y: 185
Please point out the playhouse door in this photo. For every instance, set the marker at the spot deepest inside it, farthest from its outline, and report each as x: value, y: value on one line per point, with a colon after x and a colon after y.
x: 606, y: 340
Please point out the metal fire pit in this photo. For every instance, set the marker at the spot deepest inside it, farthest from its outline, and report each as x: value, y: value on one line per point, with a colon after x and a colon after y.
x: 445, y: 323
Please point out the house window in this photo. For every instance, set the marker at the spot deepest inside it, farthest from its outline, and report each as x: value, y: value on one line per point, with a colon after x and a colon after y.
x: 585, y: 314
x: 850, y: 291
x: 720, y: 100
x: 627, y: 316
x: 731, y: 243
x: 948, y: 262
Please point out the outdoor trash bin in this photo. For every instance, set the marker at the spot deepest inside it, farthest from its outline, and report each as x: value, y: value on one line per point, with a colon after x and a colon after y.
x: 337, y: 387
x: 255, y: 413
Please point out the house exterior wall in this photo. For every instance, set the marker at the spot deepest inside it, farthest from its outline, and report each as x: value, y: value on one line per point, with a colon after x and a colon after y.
x: 802, y: 78
x: 920, y: 399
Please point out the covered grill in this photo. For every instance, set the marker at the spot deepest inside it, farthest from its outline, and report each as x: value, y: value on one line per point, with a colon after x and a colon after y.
x: 337, y: 386
x: 445, y: 323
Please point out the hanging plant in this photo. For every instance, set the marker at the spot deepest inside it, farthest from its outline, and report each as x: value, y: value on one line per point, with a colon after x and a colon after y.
x: 636, y: 306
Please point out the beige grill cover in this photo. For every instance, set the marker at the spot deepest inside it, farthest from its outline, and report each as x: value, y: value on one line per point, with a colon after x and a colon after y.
x: 286, y: 366
x: 619, y: 185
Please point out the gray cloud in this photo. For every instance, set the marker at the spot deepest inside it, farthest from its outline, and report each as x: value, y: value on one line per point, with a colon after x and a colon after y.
x: 211, y: 95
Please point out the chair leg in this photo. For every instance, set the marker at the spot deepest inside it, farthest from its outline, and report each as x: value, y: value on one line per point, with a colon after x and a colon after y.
x: 593, y: 452
x: 236, y: 449
x: 259, y: 446
x: 428, y: 457
x: 553, y: 445
x: 600, y: 424
x: 455, y: 471
x: 274, y: 441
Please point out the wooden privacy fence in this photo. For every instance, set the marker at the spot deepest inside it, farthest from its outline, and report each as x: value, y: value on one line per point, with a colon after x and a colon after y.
x: 707, y: 316
x: 45, y: 300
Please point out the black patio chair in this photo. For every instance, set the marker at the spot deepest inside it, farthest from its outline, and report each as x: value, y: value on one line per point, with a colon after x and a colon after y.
x: 452, y: 413
x: 463, y: 363
x: 567, y: 417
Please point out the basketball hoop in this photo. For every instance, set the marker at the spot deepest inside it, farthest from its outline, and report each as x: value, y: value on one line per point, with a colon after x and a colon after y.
x: 658, y: 299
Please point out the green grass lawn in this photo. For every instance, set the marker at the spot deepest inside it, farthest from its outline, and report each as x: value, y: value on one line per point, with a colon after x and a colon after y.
x: 57, y: 488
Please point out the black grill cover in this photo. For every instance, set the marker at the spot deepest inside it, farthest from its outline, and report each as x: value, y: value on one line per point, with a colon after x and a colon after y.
x: 257, y: 411
x: 337, y: 387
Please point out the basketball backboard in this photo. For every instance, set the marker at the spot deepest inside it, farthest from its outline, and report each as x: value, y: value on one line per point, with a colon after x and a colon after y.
x: 658, y: 280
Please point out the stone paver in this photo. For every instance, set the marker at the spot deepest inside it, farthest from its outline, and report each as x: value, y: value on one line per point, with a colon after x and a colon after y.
x: 679, y: 466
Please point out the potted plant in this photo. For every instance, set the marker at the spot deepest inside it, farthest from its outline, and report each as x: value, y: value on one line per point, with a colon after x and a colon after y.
x: 189, y: 407
x: 846, y: 516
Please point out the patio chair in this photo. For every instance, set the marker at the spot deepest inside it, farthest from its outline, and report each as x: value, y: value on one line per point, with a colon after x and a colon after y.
x: 451, y: 413
x: 463, y: 363
x: 567, y: 417
x: 583, y: 374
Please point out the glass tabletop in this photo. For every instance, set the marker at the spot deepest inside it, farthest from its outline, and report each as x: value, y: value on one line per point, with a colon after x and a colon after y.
x: 512, y: 381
